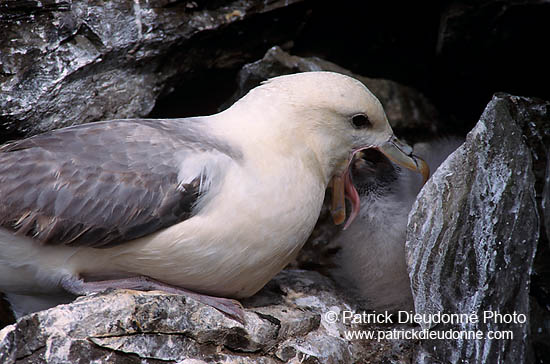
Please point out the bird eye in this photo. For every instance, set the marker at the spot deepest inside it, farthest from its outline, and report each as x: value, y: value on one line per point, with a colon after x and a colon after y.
x: 360, y: 121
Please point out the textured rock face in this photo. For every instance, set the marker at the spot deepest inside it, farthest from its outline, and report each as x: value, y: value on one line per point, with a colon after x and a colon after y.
x: 65, y: 62
x: 285, y: 322
x: 472, y: 237
x: 533, y: 116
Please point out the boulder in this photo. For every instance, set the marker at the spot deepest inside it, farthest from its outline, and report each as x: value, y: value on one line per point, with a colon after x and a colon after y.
x: 65, y: 62
x: 285, y: 322
x: 473, y: 233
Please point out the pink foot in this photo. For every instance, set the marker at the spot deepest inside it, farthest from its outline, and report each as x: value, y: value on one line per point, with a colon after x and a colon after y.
x: 230, y: 307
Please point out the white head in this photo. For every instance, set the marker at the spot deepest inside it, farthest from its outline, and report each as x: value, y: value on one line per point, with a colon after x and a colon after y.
x: 331, y: 114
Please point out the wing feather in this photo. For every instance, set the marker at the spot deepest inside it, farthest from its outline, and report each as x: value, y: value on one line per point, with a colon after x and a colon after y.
x: 101, y: 184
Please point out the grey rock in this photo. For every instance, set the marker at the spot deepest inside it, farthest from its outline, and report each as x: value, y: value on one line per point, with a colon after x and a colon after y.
x: 65, y: 62
x: 409, y: 112
x: 285, y: 321
x: 533, y: 116
x: 472, y: 237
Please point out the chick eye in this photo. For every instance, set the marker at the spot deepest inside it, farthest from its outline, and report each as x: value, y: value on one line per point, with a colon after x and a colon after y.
x: 360, y: 121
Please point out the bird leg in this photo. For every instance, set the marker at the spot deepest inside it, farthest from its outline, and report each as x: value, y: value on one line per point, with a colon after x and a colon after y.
x: 230, y: 307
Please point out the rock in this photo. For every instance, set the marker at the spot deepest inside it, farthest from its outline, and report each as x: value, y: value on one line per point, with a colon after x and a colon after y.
x: 65, y: 62
x: 533, y: 116
x: 408, y: 111
x: 286, y: 321
x: 473, y: 233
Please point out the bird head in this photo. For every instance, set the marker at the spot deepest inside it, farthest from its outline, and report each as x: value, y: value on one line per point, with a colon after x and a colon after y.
x: 335, y: 116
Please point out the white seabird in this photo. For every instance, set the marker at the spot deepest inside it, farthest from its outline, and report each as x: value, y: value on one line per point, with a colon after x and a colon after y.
x: 214, y: 205
x: 371, y: 259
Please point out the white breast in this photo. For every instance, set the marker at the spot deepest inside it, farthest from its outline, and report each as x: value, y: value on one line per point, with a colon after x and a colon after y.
x: 240, y: 239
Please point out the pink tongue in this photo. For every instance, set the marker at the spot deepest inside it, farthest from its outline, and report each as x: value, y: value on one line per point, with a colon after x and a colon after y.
x: 353, y: 197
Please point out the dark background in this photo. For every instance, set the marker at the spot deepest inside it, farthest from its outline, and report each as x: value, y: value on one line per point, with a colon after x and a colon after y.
x: 458, y: 53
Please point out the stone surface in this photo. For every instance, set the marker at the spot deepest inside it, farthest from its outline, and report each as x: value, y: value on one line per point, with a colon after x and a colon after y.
x: 533, y: 116
x: 409, y: 112
x: 472, y: 237
x: 65, y: 62
x: 285, y: 322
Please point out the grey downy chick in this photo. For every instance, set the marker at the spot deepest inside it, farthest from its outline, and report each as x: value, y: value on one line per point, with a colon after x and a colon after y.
x: 371, y: 261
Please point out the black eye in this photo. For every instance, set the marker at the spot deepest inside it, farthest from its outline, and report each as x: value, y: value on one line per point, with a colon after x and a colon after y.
x: 360, y: 121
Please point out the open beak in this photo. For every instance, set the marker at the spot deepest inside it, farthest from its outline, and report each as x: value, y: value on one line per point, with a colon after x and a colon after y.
x: 342, y: 185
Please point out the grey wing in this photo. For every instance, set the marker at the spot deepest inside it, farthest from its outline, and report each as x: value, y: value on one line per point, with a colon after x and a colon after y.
x: 95, y: 185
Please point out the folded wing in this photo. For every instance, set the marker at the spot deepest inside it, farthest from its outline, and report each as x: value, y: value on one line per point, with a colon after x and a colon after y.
x: 103, y: 184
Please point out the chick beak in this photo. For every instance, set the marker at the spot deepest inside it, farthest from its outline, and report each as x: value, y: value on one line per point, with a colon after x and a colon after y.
x: 342, y: 185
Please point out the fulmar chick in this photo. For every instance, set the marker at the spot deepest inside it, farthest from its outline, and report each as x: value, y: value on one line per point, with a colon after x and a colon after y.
x: 371, y: 260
